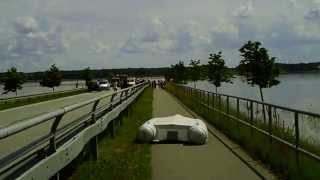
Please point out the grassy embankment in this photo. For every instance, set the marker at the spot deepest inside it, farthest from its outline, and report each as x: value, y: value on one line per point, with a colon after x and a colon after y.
x: 121, y: 157
x: 30, y: 100
x: 278, y: 156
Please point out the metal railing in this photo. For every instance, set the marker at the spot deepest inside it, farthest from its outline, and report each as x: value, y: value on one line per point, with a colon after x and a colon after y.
x: 62, y: 143
x: 287, y: 126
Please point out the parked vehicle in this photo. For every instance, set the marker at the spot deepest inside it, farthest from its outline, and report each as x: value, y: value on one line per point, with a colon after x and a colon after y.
x: 93, y: 85
x: 131, y: 81
x: 104, y: 85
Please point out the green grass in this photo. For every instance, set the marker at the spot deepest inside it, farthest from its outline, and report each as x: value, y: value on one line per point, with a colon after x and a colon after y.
x: 121, y: 157
x: 25, y: 101
x: 280, y: 158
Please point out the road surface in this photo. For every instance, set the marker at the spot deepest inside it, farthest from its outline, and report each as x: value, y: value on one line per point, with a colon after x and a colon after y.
x: 206, y: 162
x: 22, y: 113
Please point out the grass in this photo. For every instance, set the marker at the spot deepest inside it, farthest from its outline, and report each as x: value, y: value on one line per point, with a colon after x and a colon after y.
x: 25, y: 101
x: 122, y: 158
x: 280, y: 158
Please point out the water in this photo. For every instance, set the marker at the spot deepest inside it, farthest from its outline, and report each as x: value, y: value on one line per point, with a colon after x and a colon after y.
x: 35, y: 88
x: 298, y: 91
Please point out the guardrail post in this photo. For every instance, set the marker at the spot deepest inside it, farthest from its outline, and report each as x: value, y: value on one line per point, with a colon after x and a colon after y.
x: 297, y: 134
x: 93, y: 144
x: 52, y: 143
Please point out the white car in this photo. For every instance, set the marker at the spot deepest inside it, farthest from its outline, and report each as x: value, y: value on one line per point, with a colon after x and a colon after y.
x: 132, y: 81
x: 104, y: 85
x: 174, y: 128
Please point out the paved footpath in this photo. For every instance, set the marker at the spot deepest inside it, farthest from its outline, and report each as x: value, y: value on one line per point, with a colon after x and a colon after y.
x: 212, y: 161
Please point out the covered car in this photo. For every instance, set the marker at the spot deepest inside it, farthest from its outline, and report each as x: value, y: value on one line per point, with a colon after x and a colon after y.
x: 174, y: 128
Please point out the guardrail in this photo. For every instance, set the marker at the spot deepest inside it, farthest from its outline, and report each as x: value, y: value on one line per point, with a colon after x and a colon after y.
x: 44, y: 157
x: 245, y: 120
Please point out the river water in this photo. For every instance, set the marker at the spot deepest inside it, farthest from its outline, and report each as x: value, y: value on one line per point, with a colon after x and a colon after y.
x: 297, y: 91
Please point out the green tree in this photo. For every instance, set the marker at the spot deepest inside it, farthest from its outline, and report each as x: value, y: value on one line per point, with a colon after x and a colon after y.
x: 217, y: 71
x: 52, y: 77
x: 179, y: 72
x: 258, y: 68
x: 195, y: 71
x: 87, y: 75
x: 13, y: 80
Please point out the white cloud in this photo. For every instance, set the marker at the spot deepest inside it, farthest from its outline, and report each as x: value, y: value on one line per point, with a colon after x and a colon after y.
x: 34, y: 33
x: 244, y: 11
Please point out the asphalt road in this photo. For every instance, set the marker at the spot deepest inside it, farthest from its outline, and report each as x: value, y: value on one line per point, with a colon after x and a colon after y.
x: 22, y: 113
x: 207, y: 162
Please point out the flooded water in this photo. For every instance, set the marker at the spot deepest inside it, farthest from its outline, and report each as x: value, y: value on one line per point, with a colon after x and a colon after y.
x: 35, y: 88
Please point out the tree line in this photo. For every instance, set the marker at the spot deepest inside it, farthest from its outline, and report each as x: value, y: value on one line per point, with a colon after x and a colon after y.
x: 14, y: 80
x: 256, y: 66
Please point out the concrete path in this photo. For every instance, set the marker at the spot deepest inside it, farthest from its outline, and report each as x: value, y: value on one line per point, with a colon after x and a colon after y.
x: 29, y: 111
x: 206, y: 162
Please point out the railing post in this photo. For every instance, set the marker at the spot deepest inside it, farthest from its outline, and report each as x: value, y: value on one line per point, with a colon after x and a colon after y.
x: 251, y: 117
x: 208, y: 103
x: 270, y: 128
x: 238, y: 116
x: 93, y: 144
x: 297, y: 136
x: 52, y: 143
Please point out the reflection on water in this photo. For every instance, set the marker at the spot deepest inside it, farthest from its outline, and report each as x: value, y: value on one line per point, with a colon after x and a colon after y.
x: 35, y: 88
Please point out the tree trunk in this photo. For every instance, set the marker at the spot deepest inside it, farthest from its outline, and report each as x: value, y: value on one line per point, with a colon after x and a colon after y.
x: 53, y: 89
x: 194, y: 84
x: 263, y: 109
x: 16, y: 93
x: 216, y: 89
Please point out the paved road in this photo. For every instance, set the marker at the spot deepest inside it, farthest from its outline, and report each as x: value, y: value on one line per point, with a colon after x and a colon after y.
x: 205, y: 162
x: 25, y: 112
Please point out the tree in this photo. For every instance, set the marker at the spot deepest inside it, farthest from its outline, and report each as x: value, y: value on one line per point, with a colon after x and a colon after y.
x: 86, y: 75
x: 52, y: 77
x: 13, y: 80
x: 217, y: 71
x: 195, y: 71
x: 258, y: 68
x: 179, y: 72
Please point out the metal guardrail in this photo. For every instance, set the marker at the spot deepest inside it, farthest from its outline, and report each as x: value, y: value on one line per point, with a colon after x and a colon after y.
x: 258, y: 116
x: 46, y: 156
x: 3, y: 100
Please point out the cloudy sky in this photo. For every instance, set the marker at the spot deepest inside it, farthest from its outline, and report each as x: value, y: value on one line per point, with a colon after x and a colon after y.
x: 152, y: 33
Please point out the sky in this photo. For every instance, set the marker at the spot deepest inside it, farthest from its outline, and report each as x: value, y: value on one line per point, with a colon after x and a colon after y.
x: 105, y: 34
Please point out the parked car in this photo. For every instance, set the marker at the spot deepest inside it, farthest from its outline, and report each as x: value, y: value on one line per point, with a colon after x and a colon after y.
x: 93, y: 85
x: 131, y: 81
x: 104, y: 85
